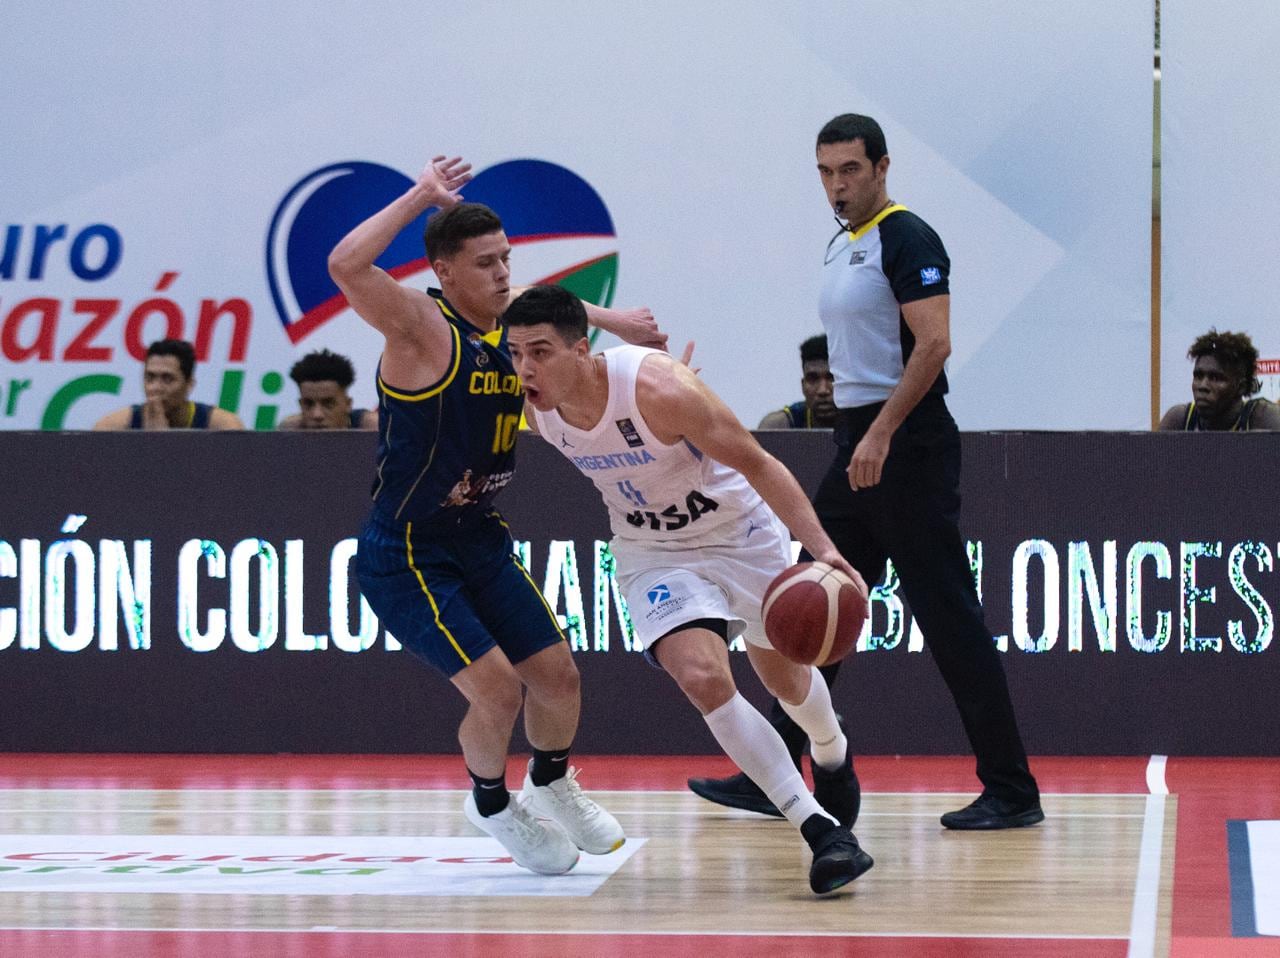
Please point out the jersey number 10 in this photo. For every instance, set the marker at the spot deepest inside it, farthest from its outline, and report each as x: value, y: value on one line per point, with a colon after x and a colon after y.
x: 504, y: 433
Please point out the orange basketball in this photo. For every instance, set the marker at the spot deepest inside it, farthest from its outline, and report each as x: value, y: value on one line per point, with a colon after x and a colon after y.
x: 813, y: 613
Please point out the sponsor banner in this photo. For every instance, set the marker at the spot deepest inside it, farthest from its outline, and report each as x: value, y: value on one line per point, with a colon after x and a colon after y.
x: 1269, y: 376
x: 437, y: 866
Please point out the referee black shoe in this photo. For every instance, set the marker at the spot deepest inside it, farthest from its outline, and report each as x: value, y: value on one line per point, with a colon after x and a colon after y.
x: 837, y: 857
x: 736, y: 791
x: 987, y: 813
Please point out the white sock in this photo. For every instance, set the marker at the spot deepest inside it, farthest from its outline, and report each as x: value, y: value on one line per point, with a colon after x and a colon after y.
x: 747, y: 737
x: 817, y: 717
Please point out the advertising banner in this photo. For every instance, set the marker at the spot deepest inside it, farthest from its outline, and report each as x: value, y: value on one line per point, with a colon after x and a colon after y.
x: 196, y: 593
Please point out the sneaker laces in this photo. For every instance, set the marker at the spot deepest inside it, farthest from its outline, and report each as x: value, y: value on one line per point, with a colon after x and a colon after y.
x: 568, y: 792
x: 525, y: 825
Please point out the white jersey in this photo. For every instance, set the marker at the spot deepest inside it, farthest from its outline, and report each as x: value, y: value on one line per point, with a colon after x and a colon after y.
x: 654, y: 492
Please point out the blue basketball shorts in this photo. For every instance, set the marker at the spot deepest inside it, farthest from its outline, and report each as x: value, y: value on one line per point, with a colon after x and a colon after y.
x: 451, y: 592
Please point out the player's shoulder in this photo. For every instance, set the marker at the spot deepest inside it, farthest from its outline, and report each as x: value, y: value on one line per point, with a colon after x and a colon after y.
x: 221, y: 419
x: 655, y: 368
x: 1266, y: 415
x: 116, y: 419
x: 1174, y: 419
x: 664, y: 386
x: 778, y: 419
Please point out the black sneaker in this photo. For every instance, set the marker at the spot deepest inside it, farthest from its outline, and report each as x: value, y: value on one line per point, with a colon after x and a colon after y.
x: 987, y: 813
x: 736, y: 791
x: 838, y: 791
x: 837, y: 860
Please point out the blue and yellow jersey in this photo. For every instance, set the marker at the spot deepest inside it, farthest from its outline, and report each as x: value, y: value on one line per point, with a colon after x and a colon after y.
x: 798, y: 415
x: 197, y: 417
x: 445, y: 451
x: 1243, y: 423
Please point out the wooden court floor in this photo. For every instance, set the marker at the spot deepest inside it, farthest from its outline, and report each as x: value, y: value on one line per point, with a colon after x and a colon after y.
x: 370, y: 856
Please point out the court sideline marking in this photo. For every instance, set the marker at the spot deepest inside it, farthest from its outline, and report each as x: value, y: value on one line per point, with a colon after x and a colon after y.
x: 1146, y: 890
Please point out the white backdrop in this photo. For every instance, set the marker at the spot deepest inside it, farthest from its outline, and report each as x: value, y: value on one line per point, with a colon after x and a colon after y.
x: 1020, y: 130
x: 1221, y: 162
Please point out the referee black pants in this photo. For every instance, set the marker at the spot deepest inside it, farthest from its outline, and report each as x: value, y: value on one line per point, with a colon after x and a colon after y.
x: 912, y: 518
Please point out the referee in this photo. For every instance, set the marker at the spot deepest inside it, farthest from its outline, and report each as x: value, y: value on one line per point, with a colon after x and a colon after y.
x: 893, y: 488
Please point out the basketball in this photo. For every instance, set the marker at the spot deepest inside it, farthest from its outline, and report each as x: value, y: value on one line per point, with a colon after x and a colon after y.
x: 813, y: 613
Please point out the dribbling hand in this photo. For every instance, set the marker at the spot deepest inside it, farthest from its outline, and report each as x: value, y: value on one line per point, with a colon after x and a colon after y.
x: 833, y: 558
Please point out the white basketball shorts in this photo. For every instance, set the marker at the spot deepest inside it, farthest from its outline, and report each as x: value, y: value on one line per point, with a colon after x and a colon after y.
x: 667, y: 584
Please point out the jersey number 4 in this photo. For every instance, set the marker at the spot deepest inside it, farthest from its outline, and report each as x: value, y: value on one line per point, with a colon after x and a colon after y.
x: 695, y: 503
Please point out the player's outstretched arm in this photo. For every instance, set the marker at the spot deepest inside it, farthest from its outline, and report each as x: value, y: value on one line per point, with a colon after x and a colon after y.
x: 635, y: 326
x: 379, y: 299
x: 669, y: 393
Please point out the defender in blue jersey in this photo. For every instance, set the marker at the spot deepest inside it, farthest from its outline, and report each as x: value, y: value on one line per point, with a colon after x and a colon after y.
x: 435, y: 559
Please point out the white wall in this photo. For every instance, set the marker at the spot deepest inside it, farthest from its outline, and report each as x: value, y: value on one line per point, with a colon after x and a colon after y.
x: 1020, y: 130
x: 1220, y: 141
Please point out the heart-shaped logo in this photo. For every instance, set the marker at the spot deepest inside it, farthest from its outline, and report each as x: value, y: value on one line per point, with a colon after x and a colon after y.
x: 541, y: 205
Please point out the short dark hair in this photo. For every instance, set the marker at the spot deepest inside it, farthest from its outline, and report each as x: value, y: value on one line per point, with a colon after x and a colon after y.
x: 179, y: 349
x: 848, y: 127
x: 1237, y: 354
x: 448, y: 229
x: 814, y: 348
x: 549, y: 304
x: 323, y: 366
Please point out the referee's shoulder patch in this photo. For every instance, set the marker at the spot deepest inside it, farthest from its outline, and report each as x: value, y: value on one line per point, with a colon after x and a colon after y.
x: 930, y: 275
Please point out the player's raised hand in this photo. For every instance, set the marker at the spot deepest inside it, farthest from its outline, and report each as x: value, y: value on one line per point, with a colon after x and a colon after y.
x: 442, y: 179
x: 638, y: 327
x: 153, y: 415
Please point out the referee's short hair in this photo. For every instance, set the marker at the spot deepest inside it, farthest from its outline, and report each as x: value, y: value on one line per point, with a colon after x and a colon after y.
x: 848, y: 127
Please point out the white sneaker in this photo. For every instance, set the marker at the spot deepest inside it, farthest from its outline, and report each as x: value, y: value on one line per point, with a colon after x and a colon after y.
x: 590, y: 827
x: 540, y: 848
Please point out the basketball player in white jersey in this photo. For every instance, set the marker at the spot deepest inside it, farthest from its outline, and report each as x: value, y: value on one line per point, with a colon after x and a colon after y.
x: 692, y: 500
